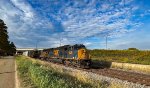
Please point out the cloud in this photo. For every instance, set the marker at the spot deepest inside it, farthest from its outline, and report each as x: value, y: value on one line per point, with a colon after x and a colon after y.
x: 68, y: 22
x: 25, y: 8
x: 90, y: 21
x: 23, y: 23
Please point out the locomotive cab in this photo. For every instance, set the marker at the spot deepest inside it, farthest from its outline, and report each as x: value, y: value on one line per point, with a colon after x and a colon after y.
x: 84, y: 58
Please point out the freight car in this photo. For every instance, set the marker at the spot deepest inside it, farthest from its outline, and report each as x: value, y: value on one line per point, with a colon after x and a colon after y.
x: 76, y: 55
x: 34, y: 54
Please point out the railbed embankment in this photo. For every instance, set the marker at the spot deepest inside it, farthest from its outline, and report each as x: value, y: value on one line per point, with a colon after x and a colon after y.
x: 145, y: 69
x: 139, y: 68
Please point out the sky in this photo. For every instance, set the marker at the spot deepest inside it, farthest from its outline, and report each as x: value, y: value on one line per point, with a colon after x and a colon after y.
x: 53, y: 23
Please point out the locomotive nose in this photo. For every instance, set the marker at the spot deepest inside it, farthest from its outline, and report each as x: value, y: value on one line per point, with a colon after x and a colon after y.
x: 83, y: 54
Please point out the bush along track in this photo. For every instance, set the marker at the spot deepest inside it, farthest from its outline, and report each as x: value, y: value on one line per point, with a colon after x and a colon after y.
x: 35, y: 75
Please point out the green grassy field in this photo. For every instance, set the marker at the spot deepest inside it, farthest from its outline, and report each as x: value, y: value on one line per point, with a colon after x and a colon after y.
x: 124, y: 56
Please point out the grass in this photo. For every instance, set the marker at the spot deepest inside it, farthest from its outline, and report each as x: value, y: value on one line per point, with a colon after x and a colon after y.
x: 36, y: 75
x: 123, y: 56
x: 23, y: 68
x: 134, y: 60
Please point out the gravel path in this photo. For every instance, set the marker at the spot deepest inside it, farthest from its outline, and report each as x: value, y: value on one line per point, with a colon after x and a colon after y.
x: 7, y: 72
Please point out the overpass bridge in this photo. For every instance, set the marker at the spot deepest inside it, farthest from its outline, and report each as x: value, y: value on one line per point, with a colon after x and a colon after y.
x: 25, y: 51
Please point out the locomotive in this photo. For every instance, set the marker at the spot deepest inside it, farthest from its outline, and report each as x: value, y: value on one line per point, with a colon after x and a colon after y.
x: 76, y: 55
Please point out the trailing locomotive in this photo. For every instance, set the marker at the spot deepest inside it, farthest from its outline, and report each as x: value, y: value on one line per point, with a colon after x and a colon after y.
x: 76, y: 55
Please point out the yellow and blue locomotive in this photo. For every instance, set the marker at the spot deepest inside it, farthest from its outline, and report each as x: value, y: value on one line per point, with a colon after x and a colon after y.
x: 76, y: 55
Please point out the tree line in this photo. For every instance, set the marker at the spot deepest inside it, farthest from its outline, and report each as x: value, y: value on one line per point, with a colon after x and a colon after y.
x: 6, y: 47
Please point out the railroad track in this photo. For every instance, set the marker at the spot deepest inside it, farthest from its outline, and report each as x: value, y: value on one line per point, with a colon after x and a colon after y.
x: 134, y: 77
x: 123, y: 75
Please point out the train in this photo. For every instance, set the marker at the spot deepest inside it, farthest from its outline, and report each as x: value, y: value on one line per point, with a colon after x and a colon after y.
x: 75, y: 55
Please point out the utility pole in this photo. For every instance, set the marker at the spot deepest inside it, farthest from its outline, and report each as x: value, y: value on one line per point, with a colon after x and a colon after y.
x: 36, y: 44
x: 60, y: 39
x: 60, y: 42
x: 106, y: 41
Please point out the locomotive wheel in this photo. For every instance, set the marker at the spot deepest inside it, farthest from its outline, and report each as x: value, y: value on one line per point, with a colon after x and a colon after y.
x: 84, y: 64
x: 67, y: 62
x: 74, y: 63
x: 63, y: 61
x: 79, y: 64
x: 87, y: 64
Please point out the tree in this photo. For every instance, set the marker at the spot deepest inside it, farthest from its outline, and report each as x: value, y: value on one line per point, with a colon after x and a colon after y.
x: 133, y: 49
x: 12, y: 49
x: 6, y: 46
